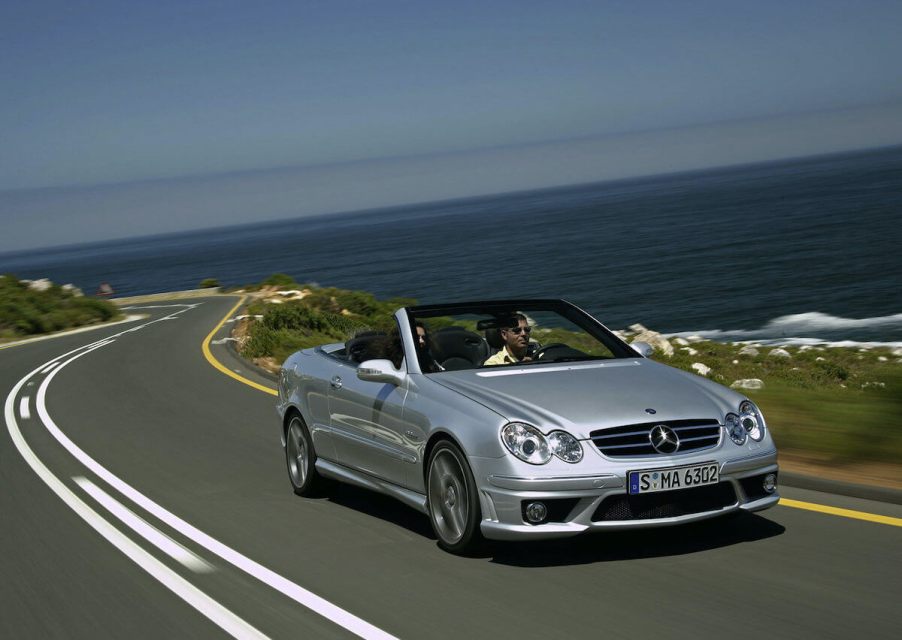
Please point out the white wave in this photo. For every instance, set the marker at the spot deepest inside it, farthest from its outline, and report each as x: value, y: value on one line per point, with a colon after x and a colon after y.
x: 812, y: 328
x: 818, y: 321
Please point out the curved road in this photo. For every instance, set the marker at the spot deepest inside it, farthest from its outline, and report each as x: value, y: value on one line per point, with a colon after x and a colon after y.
x: 143, y: 495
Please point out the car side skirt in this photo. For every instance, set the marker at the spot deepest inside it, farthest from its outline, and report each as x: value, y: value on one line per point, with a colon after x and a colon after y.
x: 337, y: 472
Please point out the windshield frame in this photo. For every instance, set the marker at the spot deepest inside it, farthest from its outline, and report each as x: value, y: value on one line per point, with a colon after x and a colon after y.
x: 569, y: 311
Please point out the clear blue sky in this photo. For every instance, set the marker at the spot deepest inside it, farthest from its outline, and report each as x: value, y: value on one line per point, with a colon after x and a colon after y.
x: 110, y: 92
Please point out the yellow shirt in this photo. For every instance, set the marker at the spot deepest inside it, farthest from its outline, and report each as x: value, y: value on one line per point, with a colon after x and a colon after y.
x: 502, y: 357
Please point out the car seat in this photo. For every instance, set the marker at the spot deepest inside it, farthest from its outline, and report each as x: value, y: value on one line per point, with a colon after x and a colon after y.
x: 455, y: 348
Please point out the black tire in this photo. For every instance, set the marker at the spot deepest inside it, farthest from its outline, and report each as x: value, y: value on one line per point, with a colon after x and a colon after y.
x: 453, y: 500
x: 301, y: 458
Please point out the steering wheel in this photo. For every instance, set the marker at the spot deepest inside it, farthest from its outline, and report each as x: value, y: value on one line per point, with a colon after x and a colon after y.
x: 542, y: 352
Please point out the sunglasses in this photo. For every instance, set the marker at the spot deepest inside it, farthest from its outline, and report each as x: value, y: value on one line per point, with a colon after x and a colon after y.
x: 518, y: 330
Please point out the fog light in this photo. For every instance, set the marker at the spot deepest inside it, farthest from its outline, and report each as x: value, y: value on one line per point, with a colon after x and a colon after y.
x: 536, y: 512
x: 770, y: 483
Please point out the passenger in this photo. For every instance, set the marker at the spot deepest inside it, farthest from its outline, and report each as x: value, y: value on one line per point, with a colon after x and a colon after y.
x: 421, y: 340
x: 515, y: 335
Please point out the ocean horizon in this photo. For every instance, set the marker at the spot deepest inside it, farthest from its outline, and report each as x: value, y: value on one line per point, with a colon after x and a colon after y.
x: 794, y: 250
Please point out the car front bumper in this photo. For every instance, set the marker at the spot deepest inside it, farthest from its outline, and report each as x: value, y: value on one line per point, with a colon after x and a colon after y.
x: 577, y: 504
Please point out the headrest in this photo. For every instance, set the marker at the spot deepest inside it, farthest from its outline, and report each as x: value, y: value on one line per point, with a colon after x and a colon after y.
x: 493, y: 337
x: 457, y: 342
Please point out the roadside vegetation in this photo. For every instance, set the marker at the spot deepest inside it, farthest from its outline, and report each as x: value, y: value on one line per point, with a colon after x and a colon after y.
x: 829, y: 404
x: 826, y: 405
x: 295, y: 316
x: 28, y: 309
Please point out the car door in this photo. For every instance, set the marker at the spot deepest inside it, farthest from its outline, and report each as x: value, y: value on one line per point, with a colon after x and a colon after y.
x: 366, y: 420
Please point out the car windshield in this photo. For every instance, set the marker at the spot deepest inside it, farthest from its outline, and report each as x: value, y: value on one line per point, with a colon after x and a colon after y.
x: 470, y: 336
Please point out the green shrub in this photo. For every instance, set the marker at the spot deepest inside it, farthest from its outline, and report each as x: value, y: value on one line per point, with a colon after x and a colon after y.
x: 209, y: 283
x: 324, y: 315
x: 25, y: 311
x: 280, y: 280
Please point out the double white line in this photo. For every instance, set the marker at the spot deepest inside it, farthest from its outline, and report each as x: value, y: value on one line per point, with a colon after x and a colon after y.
x: 203, y: 603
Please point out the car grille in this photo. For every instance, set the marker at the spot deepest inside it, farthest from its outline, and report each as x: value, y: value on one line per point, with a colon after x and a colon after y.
x: 633, y: 440
x: 666, y: 504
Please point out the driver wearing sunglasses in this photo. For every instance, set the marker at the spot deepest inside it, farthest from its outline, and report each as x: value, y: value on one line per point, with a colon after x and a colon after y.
x: 515, y: 335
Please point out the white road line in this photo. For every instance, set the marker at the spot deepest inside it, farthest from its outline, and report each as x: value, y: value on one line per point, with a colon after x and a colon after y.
x: 302, y: 596
x: 160, y: 306
x: 23, y: 408
x: 59, y: 334
x: 49, y: 368
x: 297, y: 593
x: 144, y: 529
x: 215, y: 612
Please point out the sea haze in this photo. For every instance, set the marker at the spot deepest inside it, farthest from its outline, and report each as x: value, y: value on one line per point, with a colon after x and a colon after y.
x: 807, y: 248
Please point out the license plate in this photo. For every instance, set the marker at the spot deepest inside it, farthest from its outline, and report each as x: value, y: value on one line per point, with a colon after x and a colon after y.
x: 652, y: 480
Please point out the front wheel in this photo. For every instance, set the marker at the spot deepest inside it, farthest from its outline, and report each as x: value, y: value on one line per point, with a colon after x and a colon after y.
x: 453, y: 500
x: 301, y: 458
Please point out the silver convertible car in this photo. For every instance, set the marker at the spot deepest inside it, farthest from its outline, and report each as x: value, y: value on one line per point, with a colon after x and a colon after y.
x: 521, y: 419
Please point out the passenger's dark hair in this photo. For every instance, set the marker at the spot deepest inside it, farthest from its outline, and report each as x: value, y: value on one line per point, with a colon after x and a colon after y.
x: 424, y: 355
x: 391, y: 349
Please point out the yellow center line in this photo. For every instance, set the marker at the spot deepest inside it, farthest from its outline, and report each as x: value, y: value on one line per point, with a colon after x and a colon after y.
x: 218, y: 365
x: 786, y: 502
x: 845, y: 513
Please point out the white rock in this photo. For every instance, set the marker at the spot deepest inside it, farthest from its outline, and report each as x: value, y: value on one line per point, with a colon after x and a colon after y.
x: 735, y: 361
x: 695, y: 339
x: 681, y: 341
x: 748, y: 350
x: 689, y: 350
x: 39, y: 285
x: 897, y: 351
x: 75, y: 291
x: 779, y: 353
x: 748, y: 383
x: 804, y: 347
x: 820, y: 359
x: 294, y: 294
x: 273, y: 300
x: 882, y: 358
x: 701, y: 369
x: 637, y: 328
x: 880, y: 385
x: 655, y: 339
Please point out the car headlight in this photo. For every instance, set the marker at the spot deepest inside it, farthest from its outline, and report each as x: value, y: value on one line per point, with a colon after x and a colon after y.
x: 565, y: 446
x: 752, y: 420
x: 526, y: 442
x: 734, y: 428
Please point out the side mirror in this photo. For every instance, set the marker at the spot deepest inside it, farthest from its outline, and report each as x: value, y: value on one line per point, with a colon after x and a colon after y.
x: 643, y: 349
x: 380, y: 371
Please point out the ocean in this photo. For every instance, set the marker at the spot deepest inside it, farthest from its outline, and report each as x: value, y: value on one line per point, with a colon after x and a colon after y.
x: 791, y: 251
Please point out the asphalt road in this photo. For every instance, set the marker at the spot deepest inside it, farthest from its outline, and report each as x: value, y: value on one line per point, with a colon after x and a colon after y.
x: 142, y: 439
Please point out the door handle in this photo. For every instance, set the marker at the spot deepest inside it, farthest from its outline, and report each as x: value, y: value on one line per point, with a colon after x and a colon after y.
x: 335, y: 382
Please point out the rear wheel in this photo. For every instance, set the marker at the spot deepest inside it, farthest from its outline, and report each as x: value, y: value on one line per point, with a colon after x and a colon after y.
x: 301, y: 458
x: 453, y: 500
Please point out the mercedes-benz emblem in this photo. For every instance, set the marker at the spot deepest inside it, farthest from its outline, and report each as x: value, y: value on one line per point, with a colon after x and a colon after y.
x: 664, y: 439
x: 650, y: 411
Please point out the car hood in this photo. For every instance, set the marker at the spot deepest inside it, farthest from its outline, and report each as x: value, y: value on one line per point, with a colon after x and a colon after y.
x: 583, y: 397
